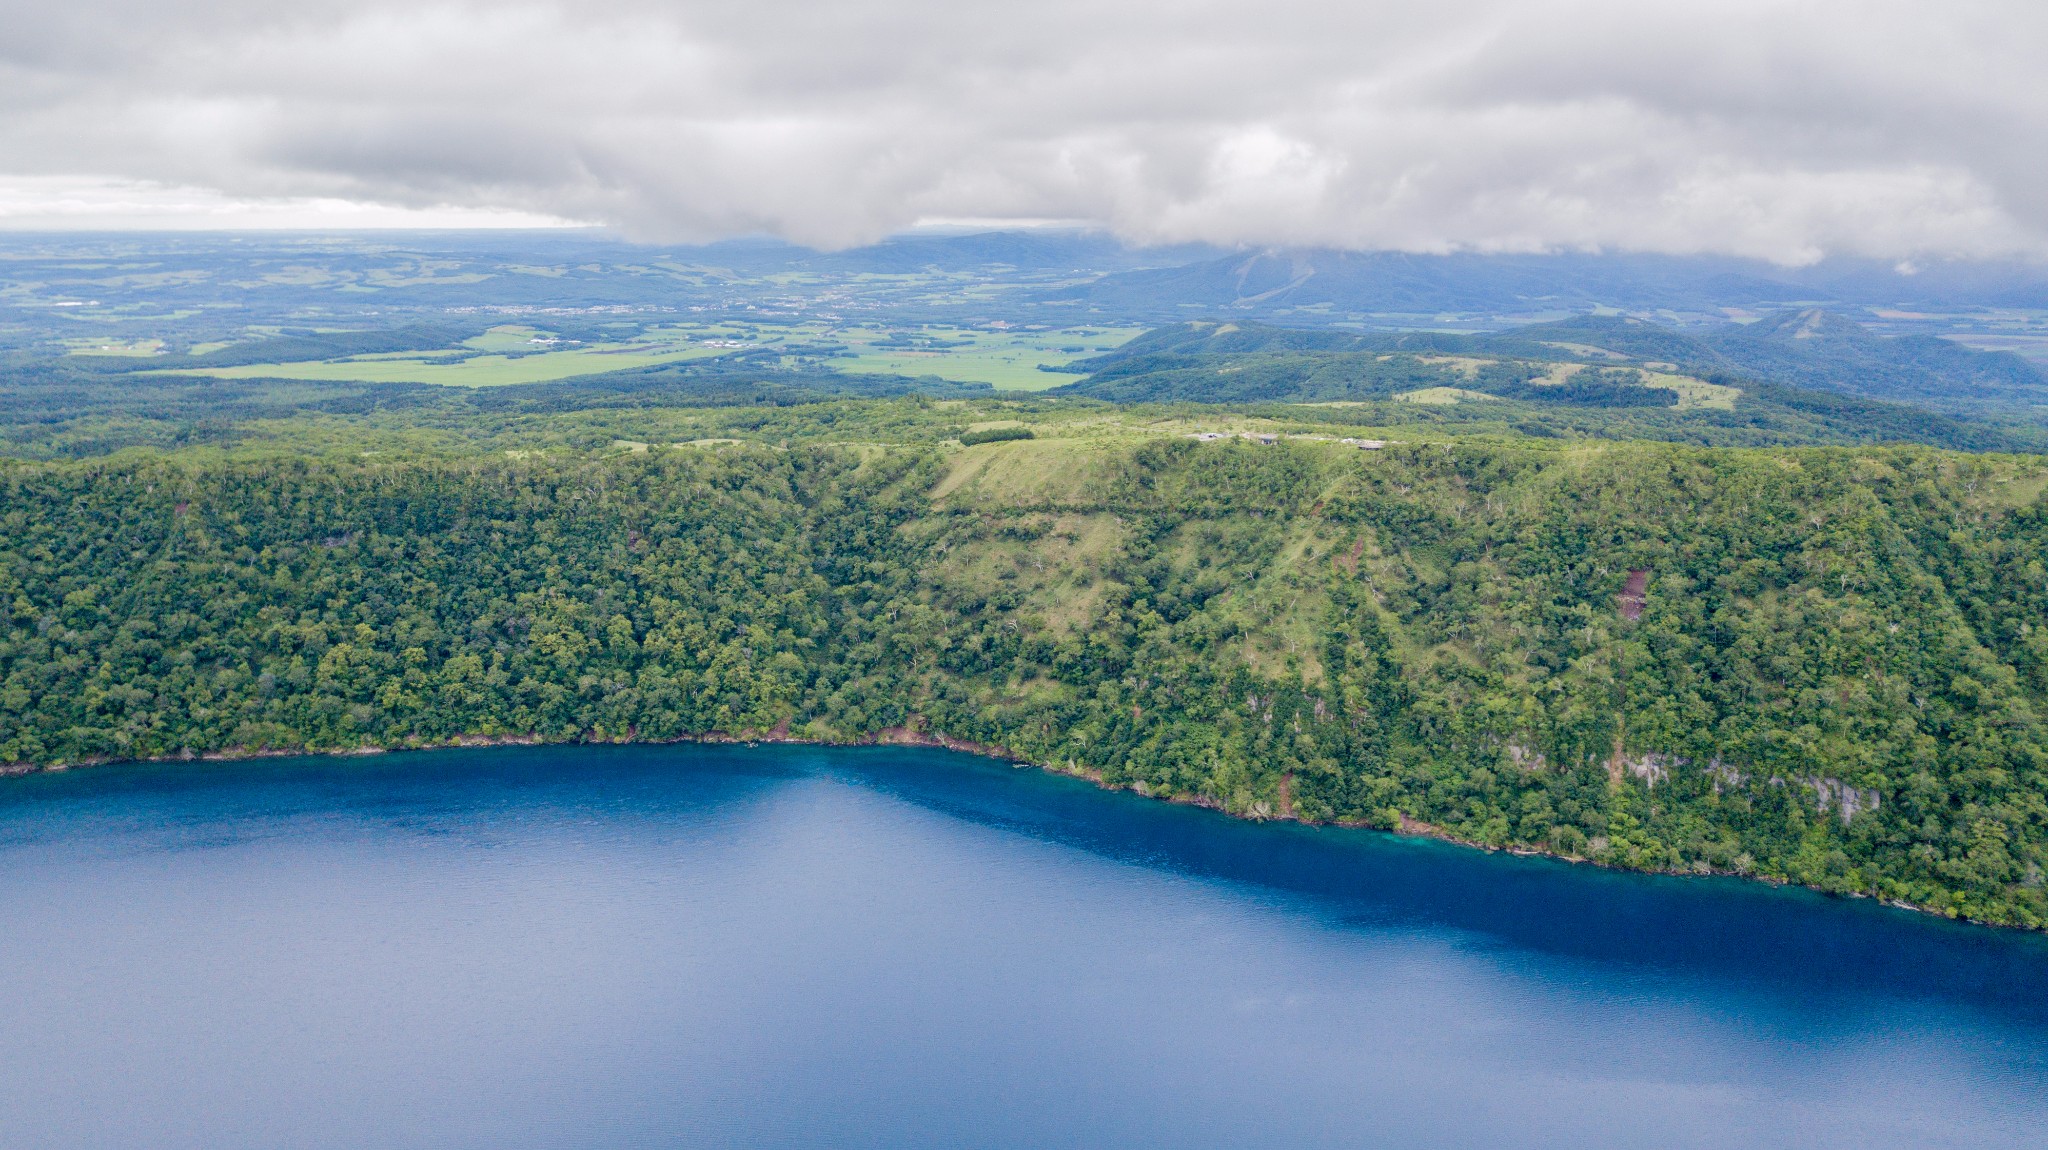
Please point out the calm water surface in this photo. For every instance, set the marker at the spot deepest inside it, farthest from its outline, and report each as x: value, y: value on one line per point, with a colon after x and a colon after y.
x: 619, y: 947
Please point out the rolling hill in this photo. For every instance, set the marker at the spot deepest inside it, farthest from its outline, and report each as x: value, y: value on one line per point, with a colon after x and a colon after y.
x: 1806, y: 350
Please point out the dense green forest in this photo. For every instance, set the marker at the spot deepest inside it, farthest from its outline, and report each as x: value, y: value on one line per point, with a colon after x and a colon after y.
x: 1822, y: 665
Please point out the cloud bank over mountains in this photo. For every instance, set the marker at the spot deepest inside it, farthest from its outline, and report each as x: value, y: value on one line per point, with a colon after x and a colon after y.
x: 1786, y: 131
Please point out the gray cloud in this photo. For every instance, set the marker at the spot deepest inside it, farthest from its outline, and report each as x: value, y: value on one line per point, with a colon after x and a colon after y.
x: 1781, y: 130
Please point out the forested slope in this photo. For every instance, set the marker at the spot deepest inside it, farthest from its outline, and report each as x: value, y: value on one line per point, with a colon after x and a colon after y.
x: 1824, y: 665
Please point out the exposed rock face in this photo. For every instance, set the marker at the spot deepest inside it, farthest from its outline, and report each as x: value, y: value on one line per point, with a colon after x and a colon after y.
x: 1724, y: 775
x: 1828, y: 793
x: 1845, y: 800
x: 1651, y: 768
x: 1654, y: 767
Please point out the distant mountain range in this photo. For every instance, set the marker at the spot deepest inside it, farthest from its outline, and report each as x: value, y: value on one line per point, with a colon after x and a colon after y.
x: 1307, y: 282
x: 1173, y: 279
x: 223, y: 288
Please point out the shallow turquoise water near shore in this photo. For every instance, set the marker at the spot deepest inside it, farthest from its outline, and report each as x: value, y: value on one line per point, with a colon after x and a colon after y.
x: 776, y: 946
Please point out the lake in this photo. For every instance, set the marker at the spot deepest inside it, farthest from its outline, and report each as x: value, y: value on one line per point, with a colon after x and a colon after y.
x: 786, y: 946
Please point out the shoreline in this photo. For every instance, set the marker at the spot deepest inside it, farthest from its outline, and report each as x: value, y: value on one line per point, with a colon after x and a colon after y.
x: 909, y: 737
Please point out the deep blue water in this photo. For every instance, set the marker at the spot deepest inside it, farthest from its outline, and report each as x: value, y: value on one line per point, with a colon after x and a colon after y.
x: 682, y: 946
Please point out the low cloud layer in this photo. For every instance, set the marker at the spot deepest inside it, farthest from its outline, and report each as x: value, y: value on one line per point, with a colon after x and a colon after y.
x: 1780, y: 130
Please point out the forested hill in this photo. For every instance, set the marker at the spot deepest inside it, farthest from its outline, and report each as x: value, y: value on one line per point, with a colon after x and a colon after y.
x: 1828, y: 666
x: 1806, y: 377
x: 1813, y: 348
x: 1807, y: 348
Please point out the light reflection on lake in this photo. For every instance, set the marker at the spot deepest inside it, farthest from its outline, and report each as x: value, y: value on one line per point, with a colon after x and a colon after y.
x: 690, y: 946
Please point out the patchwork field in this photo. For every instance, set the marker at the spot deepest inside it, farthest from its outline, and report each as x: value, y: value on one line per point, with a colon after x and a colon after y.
x: 1006, y: 360
x: 516, y: 354
x: 501, y: 356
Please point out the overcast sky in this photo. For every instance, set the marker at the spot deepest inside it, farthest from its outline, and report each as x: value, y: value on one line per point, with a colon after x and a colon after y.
x: 1780, y: 130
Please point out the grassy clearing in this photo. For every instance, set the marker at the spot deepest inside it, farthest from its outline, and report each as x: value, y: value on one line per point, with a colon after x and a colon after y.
x: 1445, y: 396
x: 1468, y: 365
x: 1585, y: 349
x: 1694, y: 393
x: 123, y: 347
x: 1023, y: 473
x: 508, y: 338
x: 2019, y: 490
x: 1055, y: 571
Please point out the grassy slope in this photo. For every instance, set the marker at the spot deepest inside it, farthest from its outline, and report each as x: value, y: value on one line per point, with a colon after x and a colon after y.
x: 1812, y: 625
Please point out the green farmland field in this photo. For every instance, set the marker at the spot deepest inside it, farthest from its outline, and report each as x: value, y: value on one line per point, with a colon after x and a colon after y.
x: 1007, y: 361
x: 498, y: 357
x: 515, y: 355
